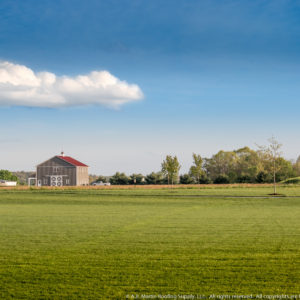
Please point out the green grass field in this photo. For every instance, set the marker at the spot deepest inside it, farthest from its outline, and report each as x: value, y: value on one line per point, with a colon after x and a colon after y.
x: 106, y: 244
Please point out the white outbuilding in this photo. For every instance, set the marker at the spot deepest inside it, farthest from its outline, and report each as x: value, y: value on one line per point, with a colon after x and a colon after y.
x: 7, y: 183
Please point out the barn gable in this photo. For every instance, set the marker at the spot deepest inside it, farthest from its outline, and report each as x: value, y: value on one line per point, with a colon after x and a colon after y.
x: 55, y: 161
x: 62, y: 171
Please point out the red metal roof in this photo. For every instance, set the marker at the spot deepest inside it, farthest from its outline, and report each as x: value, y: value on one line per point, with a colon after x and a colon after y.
x: 72, y: 161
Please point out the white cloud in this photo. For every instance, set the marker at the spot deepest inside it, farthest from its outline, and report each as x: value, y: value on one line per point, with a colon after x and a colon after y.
x: 20, y: 86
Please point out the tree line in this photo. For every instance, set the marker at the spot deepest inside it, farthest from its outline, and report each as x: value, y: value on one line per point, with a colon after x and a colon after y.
x: 244, y: 165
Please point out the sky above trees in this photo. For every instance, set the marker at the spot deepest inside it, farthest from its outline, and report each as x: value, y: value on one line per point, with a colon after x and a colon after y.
x: 121, y: 84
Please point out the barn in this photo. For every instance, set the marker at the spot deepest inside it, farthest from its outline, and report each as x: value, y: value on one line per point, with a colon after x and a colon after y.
x: 62, y: 170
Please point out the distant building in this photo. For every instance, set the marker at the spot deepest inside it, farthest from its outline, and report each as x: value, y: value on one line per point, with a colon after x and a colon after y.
x: 61, y: 170
x: 7, y: 183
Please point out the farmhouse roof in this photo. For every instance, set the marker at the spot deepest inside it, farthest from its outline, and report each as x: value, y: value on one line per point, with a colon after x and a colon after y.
x: 72, y: 161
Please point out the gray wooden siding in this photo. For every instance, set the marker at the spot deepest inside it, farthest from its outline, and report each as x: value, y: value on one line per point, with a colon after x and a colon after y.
x: 72, y: 175
x: 56, y: 166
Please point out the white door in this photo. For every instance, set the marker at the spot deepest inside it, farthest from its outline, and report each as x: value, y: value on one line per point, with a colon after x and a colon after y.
x: 53, y: 180
x: 59, y: 181
x: 56, y: 180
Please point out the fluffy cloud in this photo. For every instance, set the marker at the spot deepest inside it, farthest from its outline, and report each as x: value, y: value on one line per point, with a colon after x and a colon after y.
x: 20, y: 86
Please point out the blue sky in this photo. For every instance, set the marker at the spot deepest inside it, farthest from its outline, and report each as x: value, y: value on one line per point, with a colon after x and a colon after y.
x: 214, y: 75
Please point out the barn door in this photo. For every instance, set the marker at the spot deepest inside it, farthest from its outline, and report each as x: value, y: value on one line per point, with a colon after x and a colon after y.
x: 57, y: 180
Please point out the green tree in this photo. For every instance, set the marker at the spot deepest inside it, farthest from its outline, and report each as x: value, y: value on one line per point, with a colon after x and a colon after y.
x: 247, y: 166
x: 296, y: 167
x: 170, y: 168
x: 271, y: 156
x: 196, y: 170
x: 285, y: 169
x: 119, y: 179
x: 263, y: 177
x: 7, y: 175
x: 221, y: 179
x: 186, y: 179
x: 155, y: 178
x: 102, y: 178
x: 136, y: 179
x: 222, y: 164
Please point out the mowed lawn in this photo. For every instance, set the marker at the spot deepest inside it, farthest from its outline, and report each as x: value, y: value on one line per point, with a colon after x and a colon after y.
x: 106, y: 244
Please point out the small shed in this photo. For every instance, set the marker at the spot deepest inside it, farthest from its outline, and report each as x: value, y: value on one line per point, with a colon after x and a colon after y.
x: 7, y: 183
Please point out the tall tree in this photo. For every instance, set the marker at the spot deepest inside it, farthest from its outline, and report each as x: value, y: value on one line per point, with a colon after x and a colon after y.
x: 170, y: 168
x: 247, y: 166
x: 196, y: 171
x: 272, y: 156
x: 221, y: 165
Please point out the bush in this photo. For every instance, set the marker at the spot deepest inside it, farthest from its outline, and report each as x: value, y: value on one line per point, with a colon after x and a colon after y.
x: 136, y: 179
x: 186, y: 179
x: 119, y: 179
x: 263, y: 177
x: 221, y: 179
x: 154, y: 178
x: 244, y: 179
x: 205, y: 180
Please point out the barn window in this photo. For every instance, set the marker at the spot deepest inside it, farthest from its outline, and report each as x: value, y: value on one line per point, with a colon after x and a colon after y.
x: 55, y: 169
